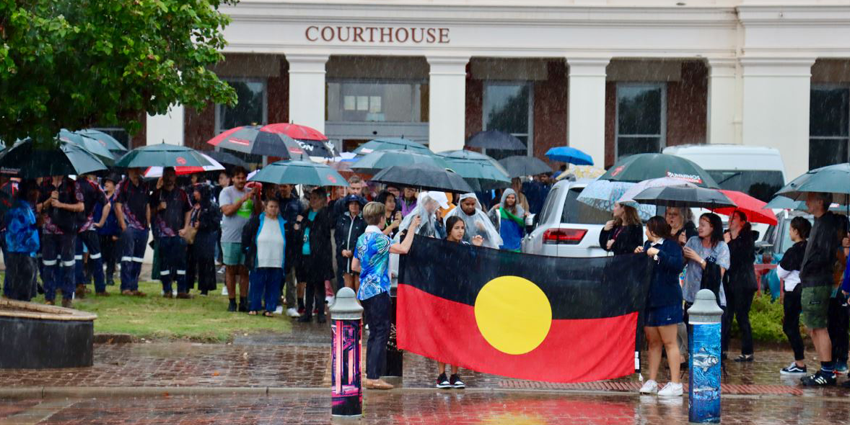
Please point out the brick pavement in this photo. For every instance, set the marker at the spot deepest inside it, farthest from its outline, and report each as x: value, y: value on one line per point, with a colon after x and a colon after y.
x: 454, y: 407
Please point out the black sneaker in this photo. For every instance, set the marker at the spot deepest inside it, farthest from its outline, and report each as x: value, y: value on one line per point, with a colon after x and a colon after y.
x: 820, y: 379
x: 456, y: 382
x: 443, y: 381
x: 232, y: 307
x: 793, y: 369
x: 744, y: 358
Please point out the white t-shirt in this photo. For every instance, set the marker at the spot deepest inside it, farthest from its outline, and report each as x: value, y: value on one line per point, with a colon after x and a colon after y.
x: 270, y: 245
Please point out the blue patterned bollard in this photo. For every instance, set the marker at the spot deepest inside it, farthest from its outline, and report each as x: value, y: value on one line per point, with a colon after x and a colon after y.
x: 704, y: 361
x: 346, y: 383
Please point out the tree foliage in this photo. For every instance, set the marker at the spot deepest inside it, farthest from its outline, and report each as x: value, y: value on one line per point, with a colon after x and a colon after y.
x: 79, y: 63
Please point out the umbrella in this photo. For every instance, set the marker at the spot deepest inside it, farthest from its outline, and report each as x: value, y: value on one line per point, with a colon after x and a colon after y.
x: 163, y: 155
x: 830, y: 179
x: 299, y: 172
x: 497, y: 140
x: 253, y: 140
x: 225, y: 158
x: 376, y: 161
x: 780, y: 202
x: 297, y: 132
x: 423, y: 176
x: 752, y: 207
x: 96, y: 147
x: 521, y: 165
x: 154, y: 172
x: 390, y: 143
x: 628, y: 197
x: 582, y: 172
x: 480, y: 171
x: 683, y: 196
x: 105, y: 139
x: 602, y: 194
x: 569, y: 155
x: 645, y: 166
x: 310, y: 148
x: 26, y: 160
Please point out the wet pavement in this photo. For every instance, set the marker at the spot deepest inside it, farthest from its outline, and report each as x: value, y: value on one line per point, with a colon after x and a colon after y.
x: 453, y: 406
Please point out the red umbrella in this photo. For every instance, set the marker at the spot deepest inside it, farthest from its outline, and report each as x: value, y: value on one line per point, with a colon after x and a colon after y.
x: 295, y: 131
x: 752, y: 207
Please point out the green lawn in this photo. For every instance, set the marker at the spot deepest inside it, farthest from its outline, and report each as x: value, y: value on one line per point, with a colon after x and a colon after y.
x: 154, y: 317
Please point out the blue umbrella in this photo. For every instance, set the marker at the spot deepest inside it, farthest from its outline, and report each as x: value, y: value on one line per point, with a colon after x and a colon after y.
x: 569, y: 155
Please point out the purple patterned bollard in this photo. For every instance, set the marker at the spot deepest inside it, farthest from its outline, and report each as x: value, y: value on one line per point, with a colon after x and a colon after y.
x: 346, y: 325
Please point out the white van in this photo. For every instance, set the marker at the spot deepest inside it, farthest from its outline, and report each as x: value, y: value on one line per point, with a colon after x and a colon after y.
x: 754, y: 170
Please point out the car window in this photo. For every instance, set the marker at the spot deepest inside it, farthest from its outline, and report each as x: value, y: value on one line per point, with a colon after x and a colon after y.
x: 758, y: 184
x: 581, y: 213
x: 549, y: 206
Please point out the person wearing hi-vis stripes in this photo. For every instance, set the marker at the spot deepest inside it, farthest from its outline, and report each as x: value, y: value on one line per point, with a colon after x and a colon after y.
x: 60, y: 202
x: 133, y: 213
x: 87, y: 235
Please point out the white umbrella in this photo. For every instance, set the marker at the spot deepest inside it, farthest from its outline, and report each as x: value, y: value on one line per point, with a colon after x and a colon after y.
x: 154, y: 172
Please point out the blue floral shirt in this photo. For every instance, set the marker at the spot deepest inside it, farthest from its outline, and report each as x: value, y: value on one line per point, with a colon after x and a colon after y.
x: 373, y: 251
x: 22, y: 233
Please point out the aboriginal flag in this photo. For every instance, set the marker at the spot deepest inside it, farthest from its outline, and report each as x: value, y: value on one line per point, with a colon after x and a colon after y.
x: 519, y: 315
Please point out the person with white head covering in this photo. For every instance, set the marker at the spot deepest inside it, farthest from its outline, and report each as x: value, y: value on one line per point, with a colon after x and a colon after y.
x: 476, y: 220
x: 426, y: 208
x: 509, y: 219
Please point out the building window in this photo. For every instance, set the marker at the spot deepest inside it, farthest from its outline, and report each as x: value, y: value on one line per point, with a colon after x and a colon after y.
x: 250, y: 109
x: 376, y: 101
x: 829, y: 126
x: 508, y: 108
x: 641, y: 118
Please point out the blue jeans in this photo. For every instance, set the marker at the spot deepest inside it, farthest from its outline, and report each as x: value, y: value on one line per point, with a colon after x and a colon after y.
x: 133, y: 242
x: 92, y: 242
x: 172, y: 263
x: 57, y: 254
x: 265, y: 286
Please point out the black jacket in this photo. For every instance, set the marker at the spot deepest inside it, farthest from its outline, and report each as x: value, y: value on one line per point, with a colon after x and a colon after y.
x: 208, y: 217
x: 741, y: 276
x: 626, y: 239
x: 320, y: 244
x: 689, y: 229
x: 822, y: 251
x: 346, y: 233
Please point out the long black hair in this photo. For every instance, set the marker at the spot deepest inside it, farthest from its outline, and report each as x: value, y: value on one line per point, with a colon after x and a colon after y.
x: 716, y: 224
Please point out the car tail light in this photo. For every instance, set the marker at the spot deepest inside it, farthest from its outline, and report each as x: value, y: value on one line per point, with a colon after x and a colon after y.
x: 564, y: 236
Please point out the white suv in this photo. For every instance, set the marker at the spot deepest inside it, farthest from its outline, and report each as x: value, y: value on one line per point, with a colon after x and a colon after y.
x: 567, y: 227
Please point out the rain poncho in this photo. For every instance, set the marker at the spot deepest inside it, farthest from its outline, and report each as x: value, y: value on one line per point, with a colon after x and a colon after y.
x: 477, y: 224
x: 426, y: 207
x: 511, y: 224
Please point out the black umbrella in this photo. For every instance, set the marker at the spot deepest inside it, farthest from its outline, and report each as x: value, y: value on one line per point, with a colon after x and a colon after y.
x: 26, y: 159
x: 522, y: 165
x: 423, y: 176
x: 494, y: 139
x: 682, y: 196
x: 226, y: 158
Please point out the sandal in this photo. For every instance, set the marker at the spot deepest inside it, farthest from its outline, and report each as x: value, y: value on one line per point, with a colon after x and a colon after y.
x: 252, y: 313
x: 268, y: 314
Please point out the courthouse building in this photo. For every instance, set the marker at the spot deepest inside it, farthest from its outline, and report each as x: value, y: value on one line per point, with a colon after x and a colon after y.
x: 610, y: 77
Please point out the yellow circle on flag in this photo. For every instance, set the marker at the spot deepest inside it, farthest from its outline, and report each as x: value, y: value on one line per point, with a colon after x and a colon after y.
x: 513, y: 314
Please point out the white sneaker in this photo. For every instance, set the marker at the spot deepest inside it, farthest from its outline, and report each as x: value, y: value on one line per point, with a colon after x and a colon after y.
x: 292, y: 312
x: 671, y: 390
x: 278, y: 310
x: 649, y: 387
x: 224, y: 291
x: 329, y: 300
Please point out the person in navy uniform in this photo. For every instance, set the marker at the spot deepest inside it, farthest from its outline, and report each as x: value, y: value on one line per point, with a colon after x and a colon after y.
x: 170, y: 223
x: 87, y: 235
x: 133, y: 212
x: 61, y: 202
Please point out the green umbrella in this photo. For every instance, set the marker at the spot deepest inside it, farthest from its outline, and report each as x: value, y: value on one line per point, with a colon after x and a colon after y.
x: 94, y: 146
x: 299, y: 172
x: 376, y: 161
x: 162, y: 155
x: 105, y: 139
x: 834, y: 179
x: 390, y: 143
x: 645, y: 166
x: 480, y: 171
x: 28, y: 160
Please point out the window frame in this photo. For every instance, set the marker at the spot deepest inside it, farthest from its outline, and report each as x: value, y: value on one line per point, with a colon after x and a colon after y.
x: 845, y: 139
x: 484, y: 120
x: 663, y: 130
x: 416, y: 100
x: 264, y: 82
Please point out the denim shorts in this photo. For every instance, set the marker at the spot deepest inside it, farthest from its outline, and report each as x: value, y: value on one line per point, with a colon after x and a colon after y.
x: 664, y: 315
x: 232, y: 253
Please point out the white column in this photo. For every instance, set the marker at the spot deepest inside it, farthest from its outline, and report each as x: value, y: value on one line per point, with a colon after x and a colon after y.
x: 165, y: 128
x: 723, y: 102
x: 586, y: 121
x: 776, y: 108
x: 447, y: 103
x: 307, y: 90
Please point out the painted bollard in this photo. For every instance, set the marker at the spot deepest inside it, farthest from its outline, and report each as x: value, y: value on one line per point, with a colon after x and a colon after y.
x: 347, y: 388
x: 704, y: 362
